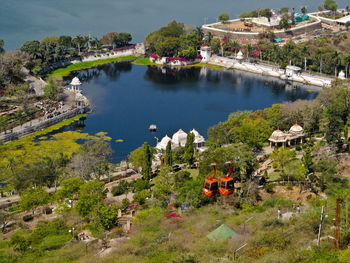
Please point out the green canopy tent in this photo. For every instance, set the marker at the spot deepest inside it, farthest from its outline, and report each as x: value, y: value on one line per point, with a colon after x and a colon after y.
x: 222, y: 233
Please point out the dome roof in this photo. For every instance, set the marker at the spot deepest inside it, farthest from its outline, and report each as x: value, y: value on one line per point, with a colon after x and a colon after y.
x: 197, y: 137
x: 75, y: 82
x: 179, y: 138
x: 278, y: 133
x: 163, y: 143
x: 296, y: 128
x: 239, y: 55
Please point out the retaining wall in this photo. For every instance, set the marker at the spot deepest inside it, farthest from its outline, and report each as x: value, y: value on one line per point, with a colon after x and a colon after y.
x: 44, y: 124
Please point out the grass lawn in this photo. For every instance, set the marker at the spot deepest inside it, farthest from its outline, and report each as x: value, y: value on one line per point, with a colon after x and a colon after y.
x: 194, y: 172
x: 144, y: 61
x: 62, y: 72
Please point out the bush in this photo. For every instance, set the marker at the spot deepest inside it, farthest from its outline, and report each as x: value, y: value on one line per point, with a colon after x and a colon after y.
x: 272, y: 222
x: 121, y: 188
x: 298, y: 148
x: 125, y: 204
x: 141, y: 196
x: 27, y: 218
x: 141, y: 184
x: 269, y: 188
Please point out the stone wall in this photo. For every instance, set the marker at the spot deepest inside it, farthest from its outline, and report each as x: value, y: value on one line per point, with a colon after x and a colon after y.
x: 253, y: 36
x: 10, y: 136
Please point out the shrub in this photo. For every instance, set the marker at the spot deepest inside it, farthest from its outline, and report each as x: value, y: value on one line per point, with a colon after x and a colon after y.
x: 141, y: 184
x: 272, y: 222
x: 27, y: 218
x: 121, y: 188
x: 141, y: 196
x: 125, y: 204
x: 19, y: 241
x: 269, y: 188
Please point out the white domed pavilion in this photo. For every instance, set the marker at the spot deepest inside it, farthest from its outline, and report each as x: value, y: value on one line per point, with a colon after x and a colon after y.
x: 75, y: 84
x: 163, y: 143
x: 179, y: 138
x: 198, y: 139
x: 294, y: 136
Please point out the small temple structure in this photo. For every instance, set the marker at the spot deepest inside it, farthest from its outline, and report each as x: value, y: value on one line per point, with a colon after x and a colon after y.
x: 75, y: 85
x: 179, y: 139
x: 294, y: 136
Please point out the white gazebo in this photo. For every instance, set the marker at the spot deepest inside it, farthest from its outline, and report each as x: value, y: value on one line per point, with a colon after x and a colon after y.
x: 179, y: 138
x: 163, y: 143
x: 198, y: 139
x: 75, y: 84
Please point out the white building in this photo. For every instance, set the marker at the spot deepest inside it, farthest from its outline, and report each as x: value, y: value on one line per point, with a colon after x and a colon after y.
x: 179, y: 138
x: 198, y: 139
x: 292, y: 70
x: 205, y: 52
x: 75, y: 84
x: 163, y: 143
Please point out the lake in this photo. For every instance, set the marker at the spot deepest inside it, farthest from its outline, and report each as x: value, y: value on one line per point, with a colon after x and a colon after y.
x: 128, y: 98
x: 23, y: 20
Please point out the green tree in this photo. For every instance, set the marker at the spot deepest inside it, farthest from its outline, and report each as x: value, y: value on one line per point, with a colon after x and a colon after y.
x: 282, y: 156
x: 32, y: 48
x: 107, y: 216
x: 50, y: 39
x: 52, y: 90
x: 284, y: 23
x: 147, y: 162
x: 303, y: 10
x: 123, y: 39
x: 189, y: 149
x: 125, y: 204
x: 253, y: 131
x: 307, y: 159
x: 65, y: 41
x: 168, y: 154
x: 141, y: 196
x: 330, y: 5
x: 137, y: 156
x: 90, y: 197
x: 223, y: 17
x: 32, y: 198
x: 69, y: 187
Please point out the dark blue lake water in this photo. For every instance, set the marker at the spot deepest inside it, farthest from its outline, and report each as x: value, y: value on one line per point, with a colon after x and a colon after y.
x: 128, y: 98
x: 23, y: 20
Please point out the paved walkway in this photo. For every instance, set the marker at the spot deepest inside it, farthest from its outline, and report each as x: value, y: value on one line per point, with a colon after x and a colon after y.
x: 34, y: 83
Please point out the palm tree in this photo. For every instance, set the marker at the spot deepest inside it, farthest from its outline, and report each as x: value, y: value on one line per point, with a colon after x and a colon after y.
x: 199, y: 33
x: 209, y: 37
x: 79, y: 41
